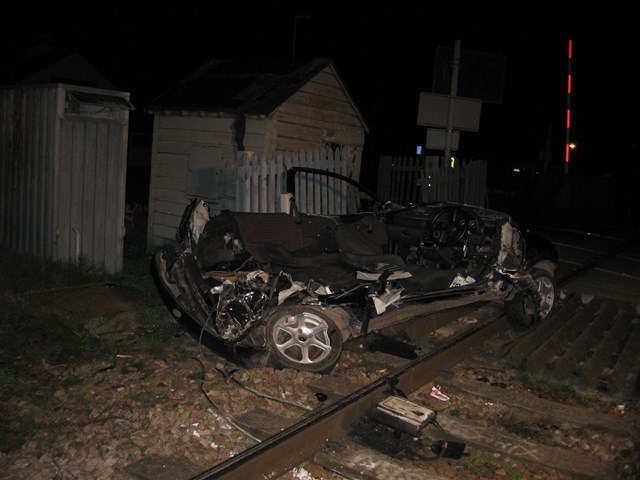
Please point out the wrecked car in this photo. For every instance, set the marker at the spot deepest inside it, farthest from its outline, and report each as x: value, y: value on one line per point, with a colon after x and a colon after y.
x: 289, y: 289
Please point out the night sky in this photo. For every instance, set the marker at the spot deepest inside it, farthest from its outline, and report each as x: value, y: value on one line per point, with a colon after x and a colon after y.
x: 386, y: 56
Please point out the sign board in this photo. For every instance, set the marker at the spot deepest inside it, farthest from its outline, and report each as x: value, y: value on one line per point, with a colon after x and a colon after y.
x: 437, y: 139
x: 480, y: 75
x: 433, y: 109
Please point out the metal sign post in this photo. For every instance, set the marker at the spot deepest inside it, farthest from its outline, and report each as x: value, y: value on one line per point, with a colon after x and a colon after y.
x: 452, y: 100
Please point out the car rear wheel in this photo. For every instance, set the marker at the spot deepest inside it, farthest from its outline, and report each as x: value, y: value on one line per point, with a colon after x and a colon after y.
x: 546, y: 287
x: 306, y: 338
x: 526, y: 309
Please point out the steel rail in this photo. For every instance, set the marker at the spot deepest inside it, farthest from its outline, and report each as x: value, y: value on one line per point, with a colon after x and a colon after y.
x: 597, y: 260
x: 298, y: 443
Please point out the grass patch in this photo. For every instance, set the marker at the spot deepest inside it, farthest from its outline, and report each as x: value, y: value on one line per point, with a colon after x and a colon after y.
x: 136, y: 274
x: 38, y: 342
x: 487, y: 465
x: 31, y: 336
x: 548, y: 388
x: 7, y: 380
x: 531, y: 431
x: 21, y: 273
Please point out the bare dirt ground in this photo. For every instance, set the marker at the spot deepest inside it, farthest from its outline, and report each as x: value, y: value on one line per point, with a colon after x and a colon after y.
x: 171, y: 409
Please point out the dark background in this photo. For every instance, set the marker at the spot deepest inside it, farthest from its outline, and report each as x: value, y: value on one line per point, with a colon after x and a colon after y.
x: 386, y: 55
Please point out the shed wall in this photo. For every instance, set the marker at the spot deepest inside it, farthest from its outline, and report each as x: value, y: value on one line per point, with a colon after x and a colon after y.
x: 28, y: 130
x: 63, y: 176
x: 190, y: 155
x: 317, y: 115
x: 320, y: 114
x: 195, y: 153
x: 91, y: 192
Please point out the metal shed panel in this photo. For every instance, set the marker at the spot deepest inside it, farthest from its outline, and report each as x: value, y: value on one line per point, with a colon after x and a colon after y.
x: 90, y: 213
x: 27, y: 162
x: 63, y: 175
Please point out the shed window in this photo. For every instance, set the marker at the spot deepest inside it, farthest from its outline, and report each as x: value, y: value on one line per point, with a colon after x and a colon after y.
x: 95, y: 104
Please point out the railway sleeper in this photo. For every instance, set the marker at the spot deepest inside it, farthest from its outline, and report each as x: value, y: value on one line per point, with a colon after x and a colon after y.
x: 585, y: 341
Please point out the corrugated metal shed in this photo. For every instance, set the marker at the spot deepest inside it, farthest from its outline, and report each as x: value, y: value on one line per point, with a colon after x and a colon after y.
x: 63, y: 153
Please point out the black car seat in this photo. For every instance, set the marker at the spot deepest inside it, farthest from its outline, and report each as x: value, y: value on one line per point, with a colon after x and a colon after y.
x: 358, y: 249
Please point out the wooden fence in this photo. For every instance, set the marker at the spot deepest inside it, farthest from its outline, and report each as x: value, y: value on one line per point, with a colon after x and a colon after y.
x: 406, y: 180
x: 261, y: 181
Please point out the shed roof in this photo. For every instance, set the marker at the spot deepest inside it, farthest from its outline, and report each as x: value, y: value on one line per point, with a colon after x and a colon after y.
x: 242, y: 87
x: 42, y: 62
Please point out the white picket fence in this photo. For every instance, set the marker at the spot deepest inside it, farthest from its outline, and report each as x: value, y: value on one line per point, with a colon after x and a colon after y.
x: 405, y: 180
x: 261, y: 180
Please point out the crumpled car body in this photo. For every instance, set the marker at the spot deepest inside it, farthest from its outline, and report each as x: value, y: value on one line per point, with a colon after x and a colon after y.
x: 287, y: 290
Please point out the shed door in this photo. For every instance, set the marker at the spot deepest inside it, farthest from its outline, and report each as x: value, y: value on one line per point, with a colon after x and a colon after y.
x: 91, y: 191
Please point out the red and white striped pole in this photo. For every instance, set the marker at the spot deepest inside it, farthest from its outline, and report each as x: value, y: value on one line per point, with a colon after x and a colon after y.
x: 567, y: 139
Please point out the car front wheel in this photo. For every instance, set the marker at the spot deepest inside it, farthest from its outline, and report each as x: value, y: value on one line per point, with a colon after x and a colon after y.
x: 305, y: 338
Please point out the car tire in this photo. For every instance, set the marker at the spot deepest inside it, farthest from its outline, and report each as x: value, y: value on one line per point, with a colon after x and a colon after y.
x: 526, y: 309
x: 306, y: 338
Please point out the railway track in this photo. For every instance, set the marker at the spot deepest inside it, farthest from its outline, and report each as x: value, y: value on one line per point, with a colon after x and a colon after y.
x: 587, y: 341
x: 298, y: 443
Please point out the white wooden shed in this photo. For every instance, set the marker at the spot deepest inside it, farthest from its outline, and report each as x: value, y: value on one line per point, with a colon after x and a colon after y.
x: 63, y: 153
x: 228, y: 108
